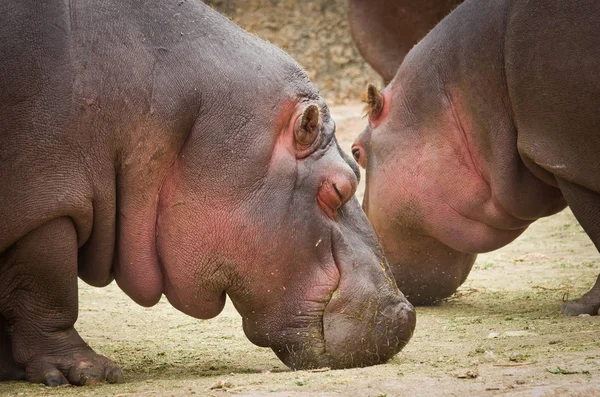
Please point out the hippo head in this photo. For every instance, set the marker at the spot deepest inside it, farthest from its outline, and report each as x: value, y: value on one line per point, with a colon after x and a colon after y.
x: 426, y: 196
x: 259, y: 206
x: 400, y: 201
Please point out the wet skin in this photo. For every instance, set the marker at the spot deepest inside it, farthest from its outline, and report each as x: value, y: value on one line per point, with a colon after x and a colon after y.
x: 488, y: 125
x: 167, y: 149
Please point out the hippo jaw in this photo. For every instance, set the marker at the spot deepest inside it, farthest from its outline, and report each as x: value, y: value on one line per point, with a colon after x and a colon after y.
x: 361, y: 320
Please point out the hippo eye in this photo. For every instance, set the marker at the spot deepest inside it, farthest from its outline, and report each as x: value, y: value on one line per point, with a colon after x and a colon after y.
x: 308, y: 126
x: 356, y: 154
x: 374, y: 103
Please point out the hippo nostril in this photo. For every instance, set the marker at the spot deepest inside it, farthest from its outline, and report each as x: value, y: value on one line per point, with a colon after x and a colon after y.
x: 331, y: 197
x: 345, y: 189
x: 336, y: 190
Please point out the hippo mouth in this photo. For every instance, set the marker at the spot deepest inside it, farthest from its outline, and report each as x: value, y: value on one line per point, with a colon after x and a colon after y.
x: 365, y: 321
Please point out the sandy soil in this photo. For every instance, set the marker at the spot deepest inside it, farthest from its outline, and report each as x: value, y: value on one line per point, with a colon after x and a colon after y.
x: 501, y: 334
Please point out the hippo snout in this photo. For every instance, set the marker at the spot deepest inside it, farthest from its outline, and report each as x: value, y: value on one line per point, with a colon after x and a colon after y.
x: 386, y: 323
x: 367, y: 320
x: 360, y: 335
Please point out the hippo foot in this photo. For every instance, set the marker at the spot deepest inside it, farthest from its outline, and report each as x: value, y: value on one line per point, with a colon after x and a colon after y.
x: 579, y: 306
x: 9, y: 371
x: 84, y: 367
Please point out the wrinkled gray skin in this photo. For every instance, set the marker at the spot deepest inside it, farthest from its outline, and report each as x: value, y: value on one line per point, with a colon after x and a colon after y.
x: 164, y: 147
x: 384, y: 31
x: 490, y: 123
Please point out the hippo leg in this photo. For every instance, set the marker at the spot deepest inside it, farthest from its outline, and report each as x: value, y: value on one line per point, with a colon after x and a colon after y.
x: 8, y: 367
x: 39, y: 301
x: 585, y: 205
x: 589, y: 303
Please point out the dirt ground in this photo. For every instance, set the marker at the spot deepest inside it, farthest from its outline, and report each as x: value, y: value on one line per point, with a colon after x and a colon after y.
x: 501, y: 334
x: 315, y: 33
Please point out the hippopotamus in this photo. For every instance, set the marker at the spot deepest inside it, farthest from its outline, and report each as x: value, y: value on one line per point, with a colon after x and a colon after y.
x: 385, y: 30
x: 490, y: 123
x: 166, y: 148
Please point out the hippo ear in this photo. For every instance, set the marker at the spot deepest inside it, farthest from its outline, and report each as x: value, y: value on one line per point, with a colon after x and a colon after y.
x: 310, y: 121
x: 311, y: 118
x: 373, y: 101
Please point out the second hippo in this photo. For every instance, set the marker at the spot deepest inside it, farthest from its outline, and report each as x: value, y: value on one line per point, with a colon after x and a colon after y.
x: 490, y: 123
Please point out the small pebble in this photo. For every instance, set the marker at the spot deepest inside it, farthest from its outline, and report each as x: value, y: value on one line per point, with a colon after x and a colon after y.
x: 221, y: 384
x: 470, y: 374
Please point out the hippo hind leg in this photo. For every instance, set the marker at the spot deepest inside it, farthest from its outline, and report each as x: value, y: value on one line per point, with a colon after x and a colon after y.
x: 585, y: 205
x: 39, y: 301
x: 8, y: 368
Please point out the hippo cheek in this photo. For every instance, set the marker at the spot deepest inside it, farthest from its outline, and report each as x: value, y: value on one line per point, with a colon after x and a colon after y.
x: 367, y: 319
x: 425, y: 269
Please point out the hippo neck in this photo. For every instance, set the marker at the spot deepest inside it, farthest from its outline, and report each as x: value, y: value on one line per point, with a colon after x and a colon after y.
x: 140, y: 93
x: 198, y: 107
x: 475, y: 85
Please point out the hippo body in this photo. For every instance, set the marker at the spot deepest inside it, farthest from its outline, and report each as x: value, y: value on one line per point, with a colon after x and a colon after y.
x: 160, y: 145
x: 490, y: 123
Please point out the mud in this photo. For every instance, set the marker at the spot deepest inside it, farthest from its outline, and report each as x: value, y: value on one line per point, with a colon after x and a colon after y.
x: 501, y: 334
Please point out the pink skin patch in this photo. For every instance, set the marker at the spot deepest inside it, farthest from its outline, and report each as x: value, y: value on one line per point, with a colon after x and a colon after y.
x: 335, y: 192
x: 425, y: 175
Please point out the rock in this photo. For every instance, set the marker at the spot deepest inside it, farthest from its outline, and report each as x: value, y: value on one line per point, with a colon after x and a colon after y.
x: 221, y: 384
x: 470, y: 374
